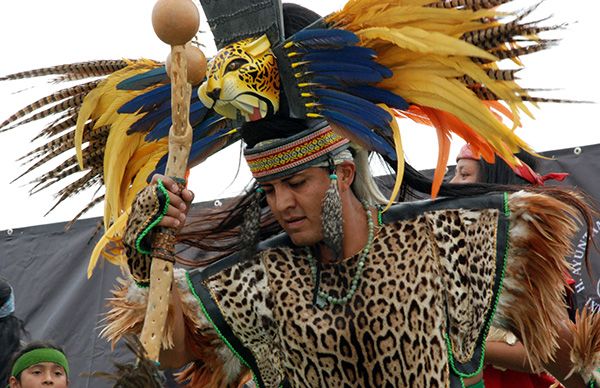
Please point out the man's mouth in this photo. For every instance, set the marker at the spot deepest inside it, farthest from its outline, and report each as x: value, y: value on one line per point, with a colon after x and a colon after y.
x: 294, y: 222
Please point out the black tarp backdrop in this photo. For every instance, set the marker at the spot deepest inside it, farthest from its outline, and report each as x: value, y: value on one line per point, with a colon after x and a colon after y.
x: 583, y: 166
x: 47, y: 268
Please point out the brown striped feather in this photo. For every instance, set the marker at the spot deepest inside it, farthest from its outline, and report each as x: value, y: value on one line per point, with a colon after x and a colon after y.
x: 87, y: 208
x: 91, y: 69
x: 469, y: 4
x: 62, y: 123
x: 55, y: 97
x: 62, y: 106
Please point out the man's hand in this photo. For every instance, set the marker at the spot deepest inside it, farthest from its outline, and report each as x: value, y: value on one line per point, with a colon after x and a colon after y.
x: 179, y: 205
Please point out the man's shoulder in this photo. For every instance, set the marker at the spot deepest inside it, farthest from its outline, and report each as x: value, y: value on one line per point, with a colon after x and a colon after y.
x: 281, y: 240
x: 409, y: 210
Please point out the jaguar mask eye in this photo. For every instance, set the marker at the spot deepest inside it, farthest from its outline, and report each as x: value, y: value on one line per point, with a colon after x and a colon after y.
x: 235, y: 65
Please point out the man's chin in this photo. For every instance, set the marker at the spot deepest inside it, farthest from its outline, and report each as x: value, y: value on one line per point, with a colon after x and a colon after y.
x: 301, y: 240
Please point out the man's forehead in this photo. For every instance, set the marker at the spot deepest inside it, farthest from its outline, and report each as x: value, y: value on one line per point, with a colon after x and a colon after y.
x: 306, y: 171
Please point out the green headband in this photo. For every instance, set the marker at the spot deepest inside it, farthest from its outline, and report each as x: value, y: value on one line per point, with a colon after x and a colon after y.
x: 37, y: 356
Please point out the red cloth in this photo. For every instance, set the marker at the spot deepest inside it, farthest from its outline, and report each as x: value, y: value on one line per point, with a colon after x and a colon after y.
x: 496, y: 378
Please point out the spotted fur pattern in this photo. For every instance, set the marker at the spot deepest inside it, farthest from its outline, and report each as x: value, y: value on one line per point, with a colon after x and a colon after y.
x: 392, y: 332
x: 145, y: 208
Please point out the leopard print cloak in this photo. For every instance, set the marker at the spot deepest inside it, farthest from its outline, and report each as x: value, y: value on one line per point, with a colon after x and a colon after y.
x: 427, y: 297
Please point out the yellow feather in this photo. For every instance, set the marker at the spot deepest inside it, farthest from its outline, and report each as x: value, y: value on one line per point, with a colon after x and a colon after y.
x: 426, y: 89
x: 102, y: 102
x: 422, y: 41
x: 399, y: 158
x: 109, y: 236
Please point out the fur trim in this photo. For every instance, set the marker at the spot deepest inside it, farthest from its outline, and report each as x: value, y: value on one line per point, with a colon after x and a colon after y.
x: 532, y: 302
x: 127, y: 313
x: 217, y: 366
x: 585, y: 353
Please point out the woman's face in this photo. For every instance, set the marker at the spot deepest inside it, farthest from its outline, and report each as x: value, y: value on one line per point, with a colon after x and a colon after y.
x: 44, y: 374
x: 467, y: 171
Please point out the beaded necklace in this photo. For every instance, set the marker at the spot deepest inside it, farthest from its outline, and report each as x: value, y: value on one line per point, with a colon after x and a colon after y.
x: 322, y: 298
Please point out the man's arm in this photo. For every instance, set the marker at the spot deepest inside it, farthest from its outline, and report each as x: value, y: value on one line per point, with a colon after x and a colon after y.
x: 179, y: 355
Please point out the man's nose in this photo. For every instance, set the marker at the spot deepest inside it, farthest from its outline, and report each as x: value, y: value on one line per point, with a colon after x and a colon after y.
x: 283, y: 199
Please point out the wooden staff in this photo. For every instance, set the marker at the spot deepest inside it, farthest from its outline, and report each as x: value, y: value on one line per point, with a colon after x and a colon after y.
x: 176, y: 23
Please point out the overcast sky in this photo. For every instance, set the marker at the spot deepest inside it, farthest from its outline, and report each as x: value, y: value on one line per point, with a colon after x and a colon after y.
x: 39, y: 33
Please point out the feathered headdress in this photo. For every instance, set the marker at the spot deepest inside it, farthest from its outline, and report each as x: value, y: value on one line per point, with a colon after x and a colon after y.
x: 361, y: 68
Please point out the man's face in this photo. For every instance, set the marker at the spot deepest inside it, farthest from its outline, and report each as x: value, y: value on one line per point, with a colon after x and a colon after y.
x: 44, y: 374
x: 467, y: 171
x: 296, y: 203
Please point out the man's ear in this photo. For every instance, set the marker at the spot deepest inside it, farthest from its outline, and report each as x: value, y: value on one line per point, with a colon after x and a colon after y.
x: 345, y: 172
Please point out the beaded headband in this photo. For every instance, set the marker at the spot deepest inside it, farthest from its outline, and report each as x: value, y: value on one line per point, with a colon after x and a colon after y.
x: 284, y: 157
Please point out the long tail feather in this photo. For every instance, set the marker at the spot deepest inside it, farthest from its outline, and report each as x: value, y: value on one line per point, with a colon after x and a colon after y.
x: 72, y: 71
x: 55, y: 97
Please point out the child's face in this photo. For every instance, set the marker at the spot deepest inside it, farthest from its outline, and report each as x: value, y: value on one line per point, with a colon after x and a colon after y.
x: 41, y: 375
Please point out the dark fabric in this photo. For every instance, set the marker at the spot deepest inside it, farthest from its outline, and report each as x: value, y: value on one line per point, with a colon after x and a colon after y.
x: 583, y: 166
x: 47, y: 269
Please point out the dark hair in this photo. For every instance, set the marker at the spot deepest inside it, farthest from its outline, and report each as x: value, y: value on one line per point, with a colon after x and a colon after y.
x: 32, y: 346
x: 501, y: 173
x: 271, y: 127
x: 12, y: 331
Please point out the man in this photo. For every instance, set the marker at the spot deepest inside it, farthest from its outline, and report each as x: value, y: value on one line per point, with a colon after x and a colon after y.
x: 349, y: 295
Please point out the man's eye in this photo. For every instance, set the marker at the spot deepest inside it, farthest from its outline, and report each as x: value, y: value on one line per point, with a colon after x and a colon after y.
x: 296, y: 183
x: 58, y: 373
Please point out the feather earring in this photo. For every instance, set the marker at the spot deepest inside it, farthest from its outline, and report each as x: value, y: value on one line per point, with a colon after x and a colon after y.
x: 251, y: 226
x: 331, y: 215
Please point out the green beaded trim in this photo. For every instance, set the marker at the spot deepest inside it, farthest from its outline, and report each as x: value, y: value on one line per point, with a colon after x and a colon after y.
x: 221, y: 336
x: 163, y: 212
x: 488, y: 324
x: 592, y: 382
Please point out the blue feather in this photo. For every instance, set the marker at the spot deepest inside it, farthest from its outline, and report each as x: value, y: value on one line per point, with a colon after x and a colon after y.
x: 144, y: 80
x: 372, y: 122
x: 161, y: 130
x: 321, y: 37
x: 367, y: 67
x: 145, y: 102
x: 358, y: 101
x: 198, y: 147
x: 350, y: 53
x: 378, y: 95
x: 367, y: 111
x: 347, y: 76
x: 372, y: 140
x: 201, y: 128
x: 151, y: 118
